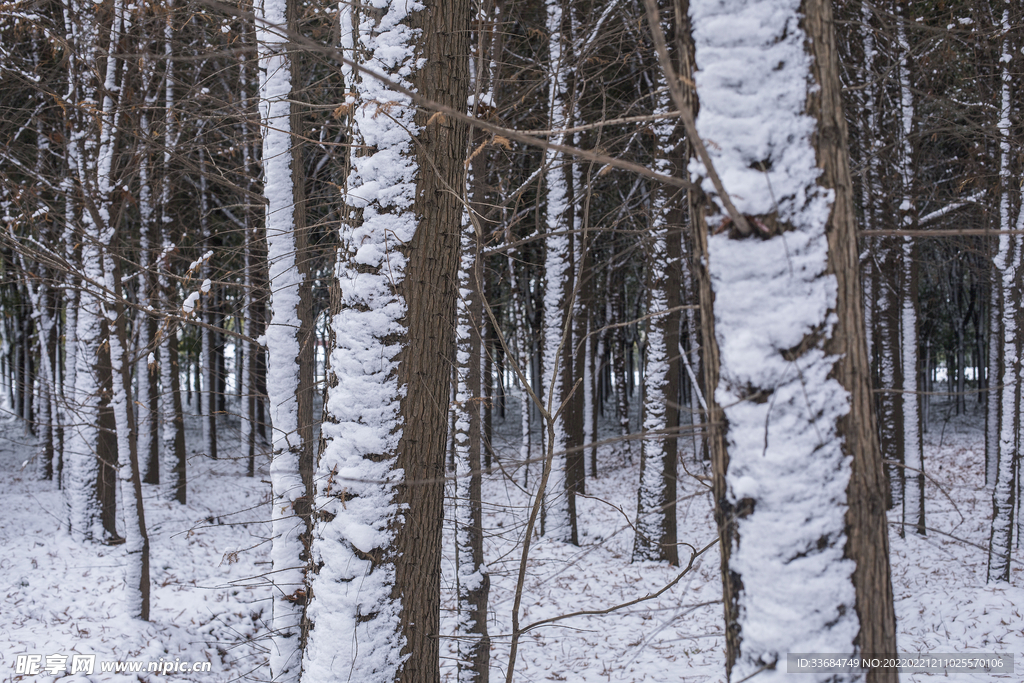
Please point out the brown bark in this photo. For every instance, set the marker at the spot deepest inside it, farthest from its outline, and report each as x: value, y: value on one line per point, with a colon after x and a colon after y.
x: 178, y: 481
x: 867, y: 532
x: 866, y: 529
x: 424, y: 368
x: 106, y: 447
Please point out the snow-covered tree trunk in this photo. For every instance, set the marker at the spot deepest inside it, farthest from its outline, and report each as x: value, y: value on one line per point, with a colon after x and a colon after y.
x: 798, y: 477
x: 172, y: 438
x: 870, y: 190
x: 558, y: 519
x: 376, y: 553
x: 472, y: 578
x: 1007, y: 265
x: 286, y: 335
x: 913, y: 454
x: 132, y: 515
x: 522, y: 344
x: 656, y: 495
x: 145, y: 365
x: 890, y: 375
x: 90, y: 159
x: 207, y: 370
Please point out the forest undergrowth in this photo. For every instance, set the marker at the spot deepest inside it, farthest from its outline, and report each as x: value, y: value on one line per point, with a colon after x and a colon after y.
x: 211, y: 598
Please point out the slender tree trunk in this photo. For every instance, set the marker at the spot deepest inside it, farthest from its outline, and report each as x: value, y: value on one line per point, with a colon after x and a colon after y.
x: 121, y: 405
x: 913, y: 497
x: 1004, y: 479
x: 172, y: 448
x: 207, y: 361
x: 472, y: 578
x: 656, y: 496
x: 995, y: 377
x: 289, y: 342
x: 148, y: 452
x: 558, y: 520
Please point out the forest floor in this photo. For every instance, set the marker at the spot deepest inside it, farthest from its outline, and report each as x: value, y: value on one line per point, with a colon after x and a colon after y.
x: 211, y: 601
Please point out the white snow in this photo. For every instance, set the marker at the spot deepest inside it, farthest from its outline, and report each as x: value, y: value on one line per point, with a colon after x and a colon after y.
x: 211, y: 595
x: 773, y: 296
x: 356, y: 630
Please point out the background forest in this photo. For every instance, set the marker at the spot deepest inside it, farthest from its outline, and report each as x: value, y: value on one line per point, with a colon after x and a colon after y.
x: 421, y: 342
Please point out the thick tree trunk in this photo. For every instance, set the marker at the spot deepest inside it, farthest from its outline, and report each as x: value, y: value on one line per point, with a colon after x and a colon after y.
x: 798, y: 477
x: 377, y: 546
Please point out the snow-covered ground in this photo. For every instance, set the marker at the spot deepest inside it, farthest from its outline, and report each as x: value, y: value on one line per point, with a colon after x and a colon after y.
x: 209, y: 600
x: 211, y: 604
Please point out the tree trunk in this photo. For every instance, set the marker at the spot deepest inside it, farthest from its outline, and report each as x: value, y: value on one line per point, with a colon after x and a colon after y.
x: 558, y: 520
x: 798, y: 477
x: 656, y: 495
x: 472, y: 578
x: 288, y: 334
x: 172, y: 449
x: 1006, y: 264
x: 377, y: 546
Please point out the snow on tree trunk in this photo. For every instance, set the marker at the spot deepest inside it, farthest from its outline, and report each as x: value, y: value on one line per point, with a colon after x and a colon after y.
x: 148, y: 453
x: 913, y: 497
x: 870, y: 190
x: 656, y: 510
x: 172, y: 439
x: 890, y: 402
x: 522, y: 346
x: 797, y: 472
x: 290, y: 513
x: 558, y: 520
x: 1007, y: 263
x: 376, y: 554
x: 913, y: 448
x: 472, y: 579
x: 207, y: 371
x: 83, y: 469
x: 133, y: 518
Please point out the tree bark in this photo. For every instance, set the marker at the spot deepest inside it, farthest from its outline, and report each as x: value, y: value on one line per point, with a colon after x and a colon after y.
x: 785, y: 407
x: 375, y: 610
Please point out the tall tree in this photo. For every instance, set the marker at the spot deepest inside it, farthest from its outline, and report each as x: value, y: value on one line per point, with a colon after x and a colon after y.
x: 798, y: 477
x: 1007, y: 263
x: 913, y: 453
x: 375, y: 589
x: 94, y: 123
x: 472, y: 577
x: 656, y: 494
x: 289, y: 347
x: 559, y: 515
x: 173, y: 473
